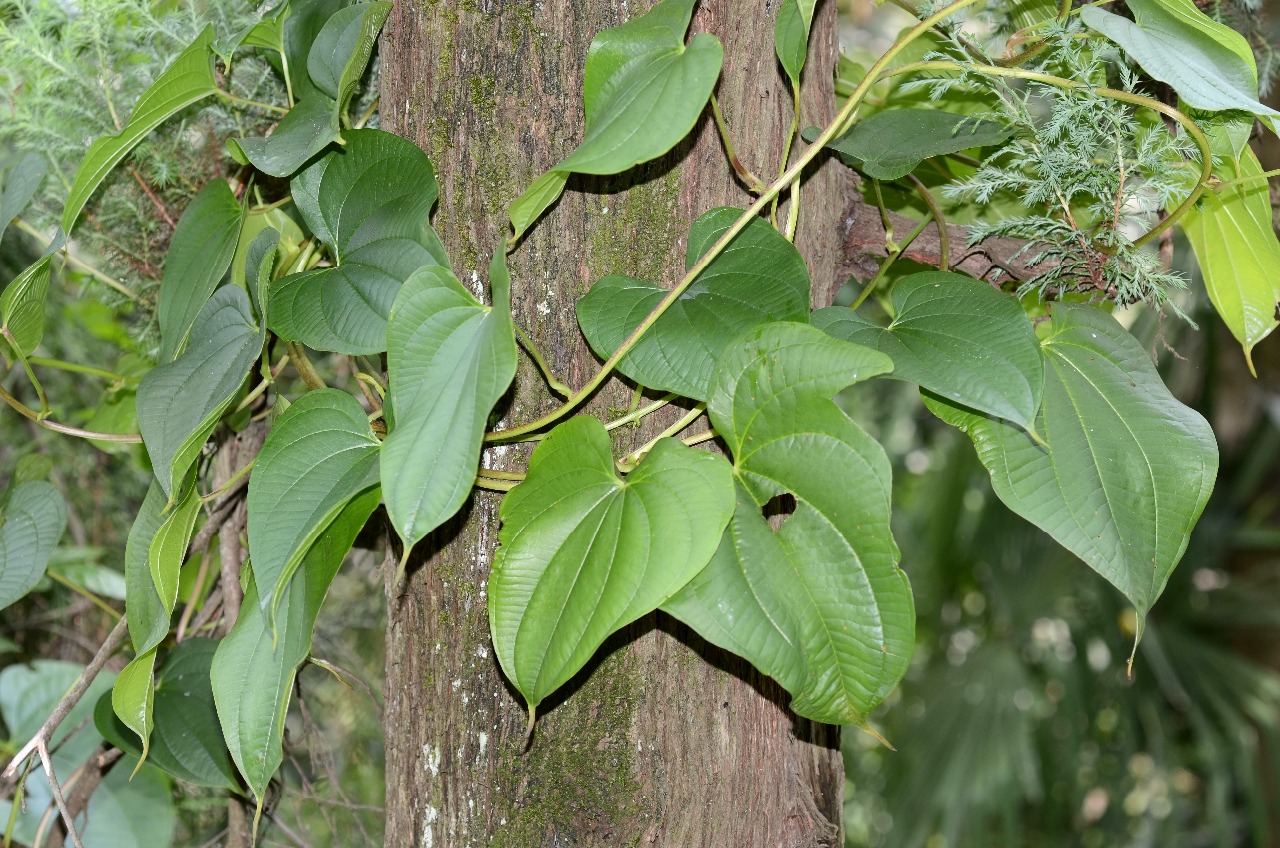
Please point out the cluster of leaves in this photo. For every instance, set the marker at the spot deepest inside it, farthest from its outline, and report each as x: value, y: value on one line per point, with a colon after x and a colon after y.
x: 1073, y: 424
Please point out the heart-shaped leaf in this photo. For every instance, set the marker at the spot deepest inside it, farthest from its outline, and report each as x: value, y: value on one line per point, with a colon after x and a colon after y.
x: 771, y: 403
x: 180, y: 402
x: 759, y: 277
x: 342, y: 49
x: 891, y: 144
x: 18, y: 184
x: 955, y: 336
x: 643, y: 90
x: 310, y: 127
x: 253, y: 669
x: 186, y: 741
x: 584, y: 552
x: 449, y: 360
x: 188, y: 80
x: 30, y: 525
x: 199, y: 255
x: 791, y: 35
x: 1208, y: 64
x: 320, y: 454
x: 1126, y: 469
x: 369, y: 203
x: 1239, y: 256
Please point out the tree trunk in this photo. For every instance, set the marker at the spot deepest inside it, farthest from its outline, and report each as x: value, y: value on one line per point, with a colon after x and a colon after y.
x: 663, y: 740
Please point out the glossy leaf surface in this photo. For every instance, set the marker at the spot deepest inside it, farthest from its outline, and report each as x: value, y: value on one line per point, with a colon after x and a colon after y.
x: 449, y: 360
x: 958, y: 337
x: 584, y: 552
x: 759, y: 277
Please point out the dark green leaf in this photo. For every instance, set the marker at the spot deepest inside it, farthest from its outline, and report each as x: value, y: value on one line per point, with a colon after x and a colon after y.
x: 306, y: 19
x: 188, y: 80
x: 320, y: 454
x: 180, y: 402
x: 955, y: 336
x: 30, y: 525
x: 342, y: 49
x: 759, y: 277
x: 254, y: 667
x: 584, y: 553
x: 267, y: 33
x: 890, y: 144
x: 310, y: 127
x: 449, y: 360
x: 199, y: 255
x: 20, y: 181
x: 1126, y: 469
x: 369, y: 203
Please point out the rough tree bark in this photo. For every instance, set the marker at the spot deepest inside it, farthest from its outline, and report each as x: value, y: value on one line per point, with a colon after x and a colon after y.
x: 664, y: 740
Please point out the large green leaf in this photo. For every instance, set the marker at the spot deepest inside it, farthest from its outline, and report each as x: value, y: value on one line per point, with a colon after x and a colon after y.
x: 306, y: 19
x: 320, y: 454
x: 889, y: 145
x: 342, y: 49
x: 1208, y: 64
x: 852, y: 607
x: 254, y: 667
x: 186, y: 741
x: 188, y: 80
x: 1126, y: 469
x: 369, y: 203
x: 584, y: 552
x: 199, y: 255
x: 31, y: 523
x: 958, y: 337
x: 791, y: 35
x: 179, y: 403
x: 18, y: 184
x: 1235, y: 244
x: 309, y: 127
x: 643, y: 90
x: 449, y: 360
x: 760, y: 277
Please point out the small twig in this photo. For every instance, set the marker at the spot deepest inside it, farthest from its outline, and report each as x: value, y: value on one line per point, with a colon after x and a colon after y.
x: 343, y: 676
x: 553, y: 382
x: 753, y: 183
x: 82, y: 784
x: 307, y: 371
x: 43, y: 749
x: 151, y: 195
x: 29, y: 413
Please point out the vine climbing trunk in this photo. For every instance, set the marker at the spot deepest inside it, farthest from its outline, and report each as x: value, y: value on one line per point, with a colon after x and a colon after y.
x: 664, y: 740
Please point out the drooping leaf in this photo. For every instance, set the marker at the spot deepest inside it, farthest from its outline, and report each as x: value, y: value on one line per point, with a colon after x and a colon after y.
x: 310, y: 127
x: 22, y: 303
x: 958, y: 337
x: 179, y: 403
x: 30, y: 525
x: 1236, y: 247
x: 320, y: 454
x: 199, y: 255
x: 891, y: 144
x: 791, y: 35
x: 584, y: 552
x: 449, y: 360
x: 771, y: 403
x: 186, y: 741
x: 1126, y: 469
x: 342, y: 49
x: 253, y: 669
x: 759, y: 277
x: 643, y: 90
x: 188, y: 80
x: 18, y: 184
x: 369, y: 203
x: 1208, y: 64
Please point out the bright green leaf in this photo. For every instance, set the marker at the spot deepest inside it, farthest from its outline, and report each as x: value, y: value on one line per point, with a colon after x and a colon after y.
x: 760, y: 277
x: 30, y: 525
x: 18, y: 184
x: 320, y: 454
x: 180, y: 402
x: 188, y: 80
x: 1126, y: 469
x: 369, y: 203
x: 22, y: 303
x: 771, y: 403
x: 342, y: 49
x: 254, y: 223
x: 891, y: 144
x: 791, y: 35
x: 958, y: 337
x: 584, y: 552
x: 310, y: 127
x: 449, y: 360
x: 537, y: 198
x: 199, y: 255
x: 253, y: 669
x: 1234, y: 242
